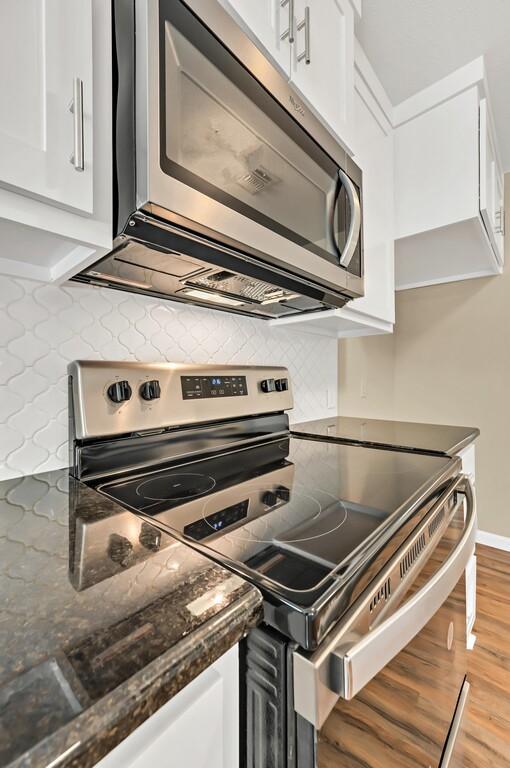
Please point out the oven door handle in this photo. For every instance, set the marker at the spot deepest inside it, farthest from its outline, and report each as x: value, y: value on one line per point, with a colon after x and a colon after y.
x: 345, y: 256
x: 342, y: 667
x: 358, y: 663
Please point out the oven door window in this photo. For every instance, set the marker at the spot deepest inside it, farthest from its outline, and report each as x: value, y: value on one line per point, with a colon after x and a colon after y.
x: 225, y: 136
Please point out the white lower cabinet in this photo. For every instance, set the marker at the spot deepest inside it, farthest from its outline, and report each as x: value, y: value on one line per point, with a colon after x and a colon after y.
x: 468, y: 458
x: 470, y: 601
x: 197, y: 728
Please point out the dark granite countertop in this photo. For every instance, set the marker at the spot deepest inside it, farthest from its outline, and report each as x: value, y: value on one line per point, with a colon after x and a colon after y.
x: 400, y: 435
x: 102, y: 620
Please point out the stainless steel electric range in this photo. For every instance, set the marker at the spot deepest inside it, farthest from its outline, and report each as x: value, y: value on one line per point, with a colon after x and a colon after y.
x: 335, y: 536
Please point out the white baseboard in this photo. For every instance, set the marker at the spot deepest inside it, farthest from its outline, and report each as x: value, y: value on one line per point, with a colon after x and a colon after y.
x: 493, y: 540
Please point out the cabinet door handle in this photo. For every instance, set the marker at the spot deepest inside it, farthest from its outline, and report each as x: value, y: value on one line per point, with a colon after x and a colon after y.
x: 305, y: 24
x: 500, y: 221
x: 76, y: 108
x: 289, y: 32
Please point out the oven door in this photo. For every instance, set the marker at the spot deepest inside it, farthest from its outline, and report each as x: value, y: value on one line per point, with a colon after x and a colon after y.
x: 215, y: 145
x: 390, y: 689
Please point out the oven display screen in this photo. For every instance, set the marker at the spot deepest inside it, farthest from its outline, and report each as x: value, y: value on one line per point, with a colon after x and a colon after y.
x: 199, y: 387
x: 206, y: 526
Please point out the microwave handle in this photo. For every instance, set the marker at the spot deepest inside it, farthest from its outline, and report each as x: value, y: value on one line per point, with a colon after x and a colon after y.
x: 342, y: 667
x: 345, y: 256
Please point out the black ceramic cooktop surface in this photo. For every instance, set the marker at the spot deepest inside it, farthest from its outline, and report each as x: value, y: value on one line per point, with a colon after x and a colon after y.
x: 399, y: 435
x: 292, y: 511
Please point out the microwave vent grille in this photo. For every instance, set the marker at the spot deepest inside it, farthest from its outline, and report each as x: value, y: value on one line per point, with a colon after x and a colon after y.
x: 240, y: 287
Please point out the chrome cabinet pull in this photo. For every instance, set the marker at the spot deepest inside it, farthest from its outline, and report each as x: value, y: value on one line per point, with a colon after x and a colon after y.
x: 76, y: 108
x: 499, y: 221
x: 345, y: 256
x: 289, y: 32
x: 305, y: 24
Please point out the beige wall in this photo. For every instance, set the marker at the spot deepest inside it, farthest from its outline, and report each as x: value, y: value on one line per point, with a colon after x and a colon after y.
x: 447, y: 362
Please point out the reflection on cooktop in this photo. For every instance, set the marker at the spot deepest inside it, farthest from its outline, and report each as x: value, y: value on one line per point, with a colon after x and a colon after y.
x: 208, y: 525
x: 163, y: 489
x: 175, y: 486
x: 296, y: 511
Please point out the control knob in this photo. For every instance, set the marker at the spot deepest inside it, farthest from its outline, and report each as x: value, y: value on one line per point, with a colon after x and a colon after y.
x: 269, y: 499
x: 150, y: 390
x: 281, y: 385
x: 119, y: 391
x: 283, y: 493
x: 267, y: 385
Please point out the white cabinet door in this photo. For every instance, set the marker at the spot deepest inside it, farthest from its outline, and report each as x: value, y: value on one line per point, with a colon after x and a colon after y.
x: 44, y: 48
x: 322, y: 63
x: 444, y: 196
x: 491, y: 186
x: 268, y: 22
x: 374, y: 154
x: 470, y: 599
x: 197, y: 728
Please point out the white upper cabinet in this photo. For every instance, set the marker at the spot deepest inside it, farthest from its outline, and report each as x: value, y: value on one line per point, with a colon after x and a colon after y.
x: 312, y: 42
x: 491, y: 185
x: 449, y: 215
x: 45, y: 56
x: 268, y: 21
x: 55, y: 136
x: 322, y: 61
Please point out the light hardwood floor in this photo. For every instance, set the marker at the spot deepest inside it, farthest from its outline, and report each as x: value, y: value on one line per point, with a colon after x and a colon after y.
x: 487, y: 739
x: 346, y: 743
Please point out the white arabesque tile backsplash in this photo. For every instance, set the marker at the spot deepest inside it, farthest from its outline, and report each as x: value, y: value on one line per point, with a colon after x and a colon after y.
x: 43, y: 327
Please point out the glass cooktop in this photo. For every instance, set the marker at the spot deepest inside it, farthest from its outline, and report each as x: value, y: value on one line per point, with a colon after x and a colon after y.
x: 292, y: 511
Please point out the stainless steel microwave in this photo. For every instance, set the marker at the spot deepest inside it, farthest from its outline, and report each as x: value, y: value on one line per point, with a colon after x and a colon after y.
x: 229, y: 191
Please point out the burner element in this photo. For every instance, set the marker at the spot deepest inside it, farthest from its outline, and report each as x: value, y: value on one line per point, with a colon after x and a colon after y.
x: 175, y: 486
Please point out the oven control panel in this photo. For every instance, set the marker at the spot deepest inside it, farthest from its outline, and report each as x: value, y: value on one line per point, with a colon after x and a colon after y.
x: 120, y: 398
x: 200, y: 387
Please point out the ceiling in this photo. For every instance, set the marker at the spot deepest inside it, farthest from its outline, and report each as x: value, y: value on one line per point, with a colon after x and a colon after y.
x: 413, y: 43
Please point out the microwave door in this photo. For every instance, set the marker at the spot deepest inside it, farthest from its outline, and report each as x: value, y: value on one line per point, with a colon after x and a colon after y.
x: 223, y: 144
x: 223, y: 153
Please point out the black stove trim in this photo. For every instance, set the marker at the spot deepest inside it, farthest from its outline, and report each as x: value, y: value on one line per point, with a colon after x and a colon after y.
x: 97, y: 459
